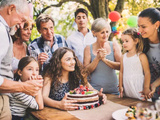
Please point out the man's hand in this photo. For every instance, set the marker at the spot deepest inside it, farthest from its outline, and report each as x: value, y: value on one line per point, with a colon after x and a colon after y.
x: 32, y: 86
x: 42, y: 57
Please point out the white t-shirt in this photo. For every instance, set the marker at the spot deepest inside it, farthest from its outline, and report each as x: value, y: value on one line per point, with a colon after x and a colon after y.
x: 4, y: 45
x: 77, y: 42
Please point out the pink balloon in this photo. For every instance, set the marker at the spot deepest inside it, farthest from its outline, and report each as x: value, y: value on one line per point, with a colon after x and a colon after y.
x: 114, y: 16
x: 31, y: 9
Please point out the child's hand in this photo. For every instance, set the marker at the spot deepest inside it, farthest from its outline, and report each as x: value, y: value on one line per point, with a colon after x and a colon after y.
x: 153, y: 89
x: 121, y: 92
x: 146, y: 91
x: 38, y: 77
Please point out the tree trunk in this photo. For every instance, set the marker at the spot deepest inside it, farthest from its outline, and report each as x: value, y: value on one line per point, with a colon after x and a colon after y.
x: 98, y: 8
x: 94, y: 8
x: 102, y: 9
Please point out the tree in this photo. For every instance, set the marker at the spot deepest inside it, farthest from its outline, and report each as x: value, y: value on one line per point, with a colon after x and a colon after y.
x: 97, y: 8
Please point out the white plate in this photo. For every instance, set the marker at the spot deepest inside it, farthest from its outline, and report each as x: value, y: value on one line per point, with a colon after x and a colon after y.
x: 120, y: 114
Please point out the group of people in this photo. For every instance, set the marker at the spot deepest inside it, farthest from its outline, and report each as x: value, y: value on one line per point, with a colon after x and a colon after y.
x: 86, y: 57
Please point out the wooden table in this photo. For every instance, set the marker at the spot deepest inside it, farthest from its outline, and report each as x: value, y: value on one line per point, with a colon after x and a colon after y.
x: 55, y: 114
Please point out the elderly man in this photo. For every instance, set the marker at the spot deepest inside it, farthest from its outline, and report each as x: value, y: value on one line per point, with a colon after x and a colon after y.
x: 11, y: 13
x: 45, y: 26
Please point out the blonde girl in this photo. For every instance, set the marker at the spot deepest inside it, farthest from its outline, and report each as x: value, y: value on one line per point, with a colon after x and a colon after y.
x: 134, y: 74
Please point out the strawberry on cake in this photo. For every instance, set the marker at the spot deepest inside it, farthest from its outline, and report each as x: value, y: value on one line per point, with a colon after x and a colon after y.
x: 86, y: 99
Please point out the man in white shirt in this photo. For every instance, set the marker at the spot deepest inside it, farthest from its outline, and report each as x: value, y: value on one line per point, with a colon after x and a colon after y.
x: 12, y: 12
x: 83, y: 36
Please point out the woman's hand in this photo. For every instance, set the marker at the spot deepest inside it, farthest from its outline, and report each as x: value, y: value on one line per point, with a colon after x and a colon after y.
x: 121, y: 92
x: 144, y: 94
x: 98, y: 55
x: 68, y: 104
x: 102, y: 53
x: 102, y: 97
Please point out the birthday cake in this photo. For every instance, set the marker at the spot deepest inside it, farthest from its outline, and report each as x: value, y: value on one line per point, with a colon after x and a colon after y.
x: 86, y: 99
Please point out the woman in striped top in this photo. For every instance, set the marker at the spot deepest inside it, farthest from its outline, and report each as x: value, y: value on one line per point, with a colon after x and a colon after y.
x: 28, y: 69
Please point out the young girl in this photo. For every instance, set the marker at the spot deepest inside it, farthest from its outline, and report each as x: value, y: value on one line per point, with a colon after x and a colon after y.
x: 134, y: 74
x: 63, y: 73
x: 28, y: 69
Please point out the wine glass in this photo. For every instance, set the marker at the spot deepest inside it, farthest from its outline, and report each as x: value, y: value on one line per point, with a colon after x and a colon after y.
x: 47, y: 49
x: 33, y: 53
x: 47, y: 46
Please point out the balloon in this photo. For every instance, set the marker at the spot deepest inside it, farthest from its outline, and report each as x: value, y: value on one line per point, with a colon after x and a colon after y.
x: 114, y: 29
x: 114, y: 16
x: 31, y: 9
x: 116, y: 33
x: 132, y: 21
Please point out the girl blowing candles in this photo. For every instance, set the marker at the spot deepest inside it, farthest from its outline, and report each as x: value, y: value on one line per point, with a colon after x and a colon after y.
x: 63, y: 73
x: 134, y: 74
x: 28, y: 69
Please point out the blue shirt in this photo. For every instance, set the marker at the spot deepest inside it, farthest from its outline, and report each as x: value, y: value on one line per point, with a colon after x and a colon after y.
x: 38, y: 45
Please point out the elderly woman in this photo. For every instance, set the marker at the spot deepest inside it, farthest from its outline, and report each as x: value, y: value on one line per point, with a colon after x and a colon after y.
x: 20, y: 38
x: 102, y: 58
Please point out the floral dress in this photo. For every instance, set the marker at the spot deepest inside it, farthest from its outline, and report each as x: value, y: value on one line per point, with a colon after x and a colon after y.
x: 57, y: 93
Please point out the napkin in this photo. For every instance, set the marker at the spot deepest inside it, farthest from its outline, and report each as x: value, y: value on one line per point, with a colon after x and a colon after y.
x: 103, y: 112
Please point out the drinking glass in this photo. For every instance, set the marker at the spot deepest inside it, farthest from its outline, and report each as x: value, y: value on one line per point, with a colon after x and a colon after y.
x: 46, y: 46
x: 33, y: 53
x: 47, y: 49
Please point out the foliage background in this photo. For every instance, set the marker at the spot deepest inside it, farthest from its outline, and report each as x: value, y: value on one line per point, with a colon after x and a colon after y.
x: 64, y: 15
x: 63, y: 12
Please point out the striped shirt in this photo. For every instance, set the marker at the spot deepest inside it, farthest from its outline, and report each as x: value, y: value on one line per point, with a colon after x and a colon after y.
x: 19, y: 102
